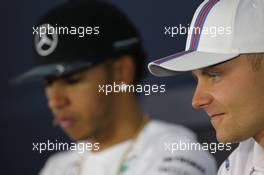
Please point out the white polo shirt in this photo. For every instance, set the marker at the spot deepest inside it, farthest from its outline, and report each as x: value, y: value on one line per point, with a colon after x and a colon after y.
x: 147, y: 157
x: 247, y: 159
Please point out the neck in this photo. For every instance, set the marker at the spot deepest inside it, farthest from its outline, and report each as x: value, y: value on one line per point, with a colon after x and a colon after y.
x: 126, y: 121
x: 260, y: 138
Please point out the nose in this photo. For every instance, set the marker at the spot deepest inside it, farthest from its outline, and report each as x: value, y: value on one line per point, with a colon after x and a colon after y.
x: 57, y: 96
x: 201, y: 98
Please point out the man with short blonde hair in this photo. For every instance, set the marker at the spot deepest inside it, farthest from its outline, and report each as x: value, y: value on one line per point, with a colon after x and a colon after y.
x: 230, y: 77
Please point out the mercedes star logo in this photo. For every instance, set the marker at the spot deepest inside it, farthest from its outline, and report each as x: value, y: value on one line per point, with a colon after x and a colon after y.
x: 46, y: 40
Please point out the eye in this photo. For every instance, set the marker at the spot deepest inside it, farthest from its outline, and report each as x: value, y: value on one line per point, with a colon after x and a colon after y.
x: 73, y: 80
x: 48, y: 82
x: 214, y: 75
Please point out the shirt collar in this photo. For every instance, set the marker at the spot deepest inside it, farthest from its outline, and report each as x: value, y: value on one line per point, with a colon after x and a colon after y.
x: 258, y: 155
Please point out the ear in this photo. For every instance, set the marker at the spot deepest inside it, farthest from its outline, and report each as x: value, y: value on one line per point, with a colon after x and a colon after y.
x: 124, y: 70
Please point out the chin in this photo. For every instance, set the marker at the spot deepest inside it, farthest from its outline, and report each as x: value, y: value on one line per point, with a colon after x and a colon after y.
x: 76, y: 136
x: 224, y: 138
x: 228, y: 138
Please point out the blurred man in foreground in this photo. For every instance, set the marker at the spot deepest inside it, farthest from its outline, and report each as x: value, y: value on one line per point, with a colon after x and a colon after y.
x: 78, y: 69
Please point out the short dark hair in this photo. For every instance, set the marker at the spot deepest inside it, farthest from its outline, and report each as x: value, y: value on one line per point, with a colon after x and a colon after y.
x: 138, y: 59
x: 140, y: 71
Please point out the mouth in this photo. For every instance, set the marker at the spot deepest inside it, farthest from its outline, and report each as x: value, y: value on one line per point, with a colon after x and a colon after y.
x: 216, y: 116
x: 66, y: 122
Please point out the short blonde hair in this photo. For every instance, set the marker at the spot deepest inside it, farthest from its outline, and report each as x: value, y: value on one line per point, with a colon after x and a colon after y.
x: 256, y: 60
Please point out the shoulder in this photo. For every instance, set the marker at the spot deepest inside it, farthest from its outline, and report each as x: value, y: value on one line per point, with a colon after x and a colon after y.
x: 161, y: 130
x: 59, y: 161
x: 160, y: 135
x: 241, y: 155
x: 160, y: 141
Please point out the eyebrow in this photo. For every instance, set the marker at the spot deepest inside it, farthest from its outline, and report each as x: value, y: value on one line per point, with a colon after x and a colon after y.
x: 64, y: 77
x: 206, y: 69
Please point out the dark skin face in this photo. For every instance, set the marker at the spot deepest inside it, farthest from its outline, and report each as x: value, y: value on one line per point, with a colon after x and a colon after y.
x: 84, y: 113
x: 77, y: 105
x: 232, y: 95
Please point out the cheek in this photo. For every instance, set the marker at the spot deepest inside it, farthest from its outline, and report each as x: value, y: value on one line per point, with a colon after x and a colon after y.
x: 235, y: 93
x: 252, y: 106
x: 229, y: 99
x: 88, y: 102
x: 242, y: 101
x: 84, y: 99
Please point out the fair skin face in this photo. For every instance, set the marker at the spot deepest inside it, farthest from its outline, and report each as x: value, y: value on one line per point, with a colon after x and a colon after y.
x: 231, y: 93
x: 84, y: 113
